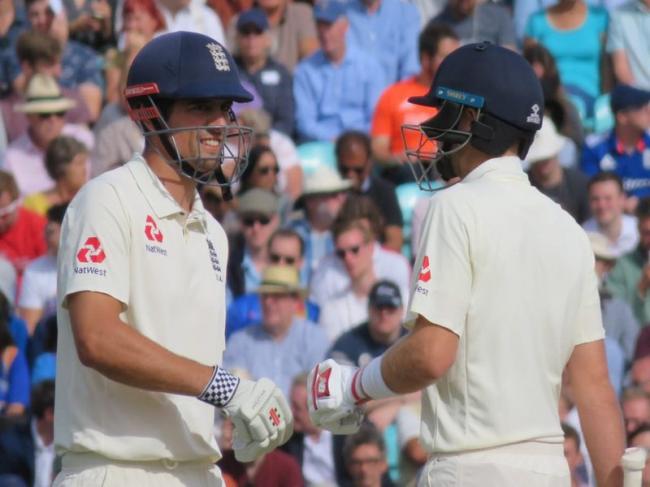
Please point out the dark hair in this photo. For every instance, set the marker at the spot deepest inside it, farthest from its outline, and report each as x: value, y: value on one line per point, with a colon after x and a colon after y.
x: 605, y: 176
x: 5, y: 313
x: 288, y: 233
x: 42, y: 398
x: 55, y: 213
x: 349, y: 138
x: 550, y: 80
x: 643, y: 428
x: 60, y: 152
x: 571, y: 433
x: 431, y: 36
x: 358, y: 207
x: 33, y: 47
x: 643, y: 208
x: 254, y: 157
x: 368, y: 434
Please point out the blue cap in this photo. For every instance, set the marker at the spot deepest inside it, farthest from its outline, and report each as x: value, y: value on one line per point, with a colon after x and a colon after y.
x: 255, y: 17
x: 495, y: 79
x: 385, y: 294
x: 329, y: 10
x: 185, y: 65
x: 625, y: 97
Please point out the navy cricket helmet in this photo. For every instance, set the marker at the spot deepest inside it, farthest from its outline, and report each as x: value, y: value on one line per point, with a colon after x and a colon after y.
x: 187, y: 65
x: 501, y: 87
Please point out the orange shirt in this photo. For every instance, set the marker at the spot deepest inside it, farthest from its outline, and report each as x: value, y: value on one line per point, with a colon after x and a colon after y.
x: 393, y: 110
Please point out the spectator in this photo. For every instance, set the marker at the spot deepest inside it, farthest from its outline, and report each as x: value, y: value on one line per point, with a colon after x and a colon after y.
x: 270, y: 78
x: 90, y: 22
x: 292, y: 30
x: 192, y: 16
x: 38, y: 295
x: 337, y: 87
x: 475, y: 21
x: 284, y: 345
x: 27, y: 447
x: 13, y: 23
x: 258, y: 213
x: 323, y: 196
x: 627, y: 43
x: 21, y: 231
x: 365, y: 458
x: 386, y: 30
x: 393, y: 109
x: 574, y: 33
x: 285, y: 248
x: 565, y: 186
x: 66, y: 162
x: 572, y: 454
x: 14, y: 375
x: 635, y: 405
x: 353, y: 155
x: 607, y: 205
x: 640, y: 370
x: 641, y: 438
x: 8, y: 286
x: 40, y: 53
x: 45, y: 107
x: 625, y: 149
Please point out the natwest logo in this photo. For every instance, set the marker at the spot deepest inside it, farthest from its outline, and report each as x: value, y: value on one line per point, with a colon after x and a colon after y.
x: 425, y: 272
x: 151, y: 230
x: 91, y: 252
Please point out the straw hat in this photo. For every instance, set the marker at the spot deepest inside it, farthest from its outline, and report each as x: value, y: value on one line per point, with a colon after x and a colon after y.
x: 43, y: 95
x: 547, y: 144
x: 325, y: 180
x: 600, y: 246
x: 280, y: 279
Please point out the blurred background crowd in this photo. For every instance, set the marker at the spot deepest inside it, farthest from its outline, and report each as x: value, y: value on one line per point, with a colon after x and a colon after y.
x: 326, y: 217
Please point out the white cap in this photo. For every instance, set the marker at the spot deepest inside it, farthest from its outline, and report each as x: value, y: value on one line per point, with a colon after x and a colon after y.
x: 547, y: 144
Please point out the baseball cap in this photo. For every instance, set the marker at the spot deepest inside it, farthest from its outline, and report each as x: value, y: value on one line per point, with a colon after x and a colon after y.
x: 625, y: 97
x: 259, y: 201
x: 329, y: 11
x: 255, y: 17
x: 493, y: 78
x: 385, y: 294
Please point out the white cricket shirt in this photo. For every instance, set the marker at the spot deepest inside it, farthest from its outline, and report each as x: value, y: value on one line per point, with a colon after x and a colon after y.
x: 125, y: 236
x: 512, y: 274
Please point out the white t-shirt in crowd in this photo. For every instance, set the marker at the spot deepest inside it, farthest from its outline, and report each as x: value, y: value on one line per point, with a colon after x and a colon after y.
x: 626, y: 241
x: 39, y: 285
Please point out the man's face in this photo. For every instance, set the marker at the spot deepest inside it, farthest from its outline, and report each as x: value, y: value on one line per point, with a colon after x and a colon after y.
x: 285, y: 251
x: 572, y: 454
x: 366, y: 465
x: 324, y: 208
x: 332, y: 35
x: 355, y: 251
x: 354, y: 164
x: 301, y: 420
x: 40, y: 16
x: 385, y: 321
x: 258, y: 228
x: 45, y: 127
x: 640, y: 373
x: 606, y: 201
x: 52, y: 235
x: 278, y: 310
x: 140, y: 21
x: 446, y: 46
x: 253, y: 42
x: 637, y: 118
x: 8, y: 211
x: 636, y: 411
x: 644, y: 233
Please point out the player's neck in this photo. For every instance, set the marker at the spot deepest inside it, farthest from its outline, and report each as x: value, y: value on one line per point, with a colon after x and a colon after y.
x: 182, y: 189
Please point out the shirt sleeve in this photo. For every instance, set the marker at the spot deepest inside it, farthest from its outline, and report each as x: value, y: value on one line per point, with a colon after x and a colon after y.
x: 589, y: 322
x: 18, y: 381
x: 95, y: 245
x: 615, y: 41
x: 306, y: 109
x: 443, y: 271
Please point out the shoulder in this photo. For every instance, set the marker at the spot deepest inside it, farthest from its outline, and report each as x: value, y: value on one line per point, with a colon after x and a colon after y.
x: 299, y: 11
x: 595, y: 141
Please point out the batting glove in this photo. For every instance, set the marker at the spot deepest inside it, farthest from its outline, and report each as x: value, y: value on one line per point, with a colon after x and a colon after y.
x: 335, y: 397
x: 260, y: 414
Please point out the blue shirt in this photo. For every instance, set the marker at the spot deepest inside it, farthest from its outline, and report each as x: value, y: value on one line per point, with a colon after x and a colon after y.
x: 333, y: 98
x: 80, y: 64
x: 14, y: 381
x: 605, y: 153
x: 389, y: 35
x: 255, y: 351
x: 317, y: 246
x: 357, y: 347
x: 19, y: 333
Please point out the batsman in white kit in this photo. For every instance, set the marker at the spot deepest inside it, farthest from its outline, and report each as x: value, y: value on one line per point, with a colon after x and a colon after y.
x: 504, y: 298
x: 141, y: 290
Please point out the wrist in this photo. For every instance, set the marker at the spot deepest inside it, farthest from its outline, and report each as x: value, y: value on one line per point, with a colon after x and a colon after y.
x: 220, y: 389
x: 370, y: 381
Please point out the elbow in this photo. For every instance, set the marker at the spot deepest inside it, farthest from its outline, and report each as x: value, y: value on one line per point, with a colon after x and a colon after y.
x: 89, y: 351
x: 436, y: 366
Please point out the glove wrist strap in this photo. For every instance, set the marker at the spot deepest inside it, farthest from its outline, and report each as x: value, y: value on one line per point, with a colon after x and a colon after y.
x: 370, y: 382
x: 221, y: 388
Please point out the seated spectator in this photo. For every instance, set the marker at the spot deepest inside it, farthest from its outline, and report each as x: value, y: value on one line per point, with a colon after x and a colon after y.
x: 45, y: 107
x: 353, y: 155
x: 309, y: 445
x: 640, y: 370
x: 394, y: 110
x: 292, y: 30
x: 284, y: 345
x: 38, y: 293
x: 14, y: 375
x: 573, y: 456
x: 21, y: 231
x: 626, y: 148
x: 565, y: 186
x: 17, y: 326
x: 336, y: 88
x: 323, y: 196
x: 475, y: 21
x: 574, y: 33
x: 635, y: 405
x: 630, y: 278
x: 365, y: 458
x: 258, y: 213
x: 39, y: 53
x: 285, y: 248
x: 607, y: 205
x: 66, y: 162
x: 191, y: 16
x: 90, y: 22
x: 627, y: 43
x: 386, y: 30
x: 271, y: 79
x: 27, y: 447
x: 13, y: 23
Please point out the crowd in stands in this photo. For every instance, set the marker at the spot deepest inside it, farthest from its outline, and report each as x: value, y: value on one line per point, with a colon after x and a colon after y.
x: 326, y: 218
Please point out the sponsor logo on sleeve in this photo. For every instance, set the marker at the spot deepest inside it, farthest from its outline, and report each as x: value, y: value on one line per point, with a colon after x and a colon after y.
x: 92, y: 254
x: 153, y: 235
x: 424, y: 276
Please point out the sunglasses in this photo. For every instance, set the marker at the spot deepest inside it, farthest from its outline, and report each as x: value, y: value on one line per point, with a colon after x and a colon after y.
x: 248, y: 31
x: 287, y: 259
x: 341, y: 253
x: 357, y: 170
x: 265, y: 170
x: 249, y: 221
x: 51, y: 114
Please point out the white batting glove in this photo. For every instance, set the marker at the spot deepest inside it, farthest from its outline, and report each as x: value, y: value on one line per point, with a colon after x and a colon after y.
x: 259, y: 411
x: 334, y: 397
